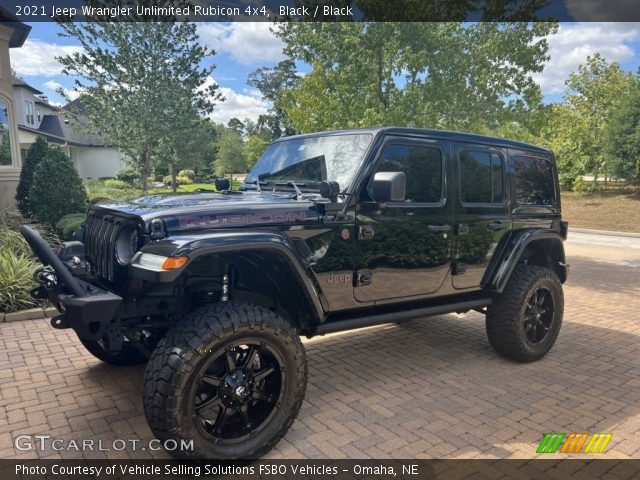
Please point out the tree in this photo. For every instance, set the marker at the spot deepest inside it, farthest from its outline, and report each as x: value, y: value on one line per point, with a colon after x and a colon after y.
x: 192, y: 146
x: 580, y: 124
x: 56, y: 189
x: 271, y: 82
x: 253, y: 149
x: 140, y: 81
x: 36, y: 153
x: 230, y: 156
x: 236, y: 125
x: 623, y: 139
x: 441, y: 75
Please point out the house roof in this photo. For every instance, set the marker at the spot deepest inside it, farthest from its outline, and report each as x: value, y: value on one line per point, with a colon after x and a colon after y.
x: 18, y: 82
x: 20, y: 30
x: 58, y: 126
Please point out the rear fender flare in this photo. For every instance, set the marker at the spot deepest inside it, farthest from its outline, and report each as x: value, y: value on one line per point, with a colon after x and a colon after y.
x: 514, y: 252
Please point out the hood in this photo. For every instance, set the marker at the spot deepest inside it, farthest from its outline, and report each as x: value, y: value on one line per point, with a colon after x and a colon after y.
x: 217, y: 210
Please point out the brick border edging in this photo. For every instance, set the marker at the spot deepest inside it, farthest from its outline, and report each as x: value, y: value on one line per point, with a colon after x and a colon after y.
x: 30, y: 314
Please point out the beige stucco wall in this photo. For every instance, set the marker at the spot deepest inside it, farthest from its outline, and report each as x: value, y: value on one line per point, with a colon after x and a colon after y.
x: 9, y: 175
x: 97, y: 162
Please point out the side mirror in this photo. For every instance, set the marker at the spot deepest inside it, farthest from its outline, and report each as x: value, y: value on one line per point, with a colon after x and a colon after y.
x: 330, y: 190
x: 389, y: 187
x: 221, y: 184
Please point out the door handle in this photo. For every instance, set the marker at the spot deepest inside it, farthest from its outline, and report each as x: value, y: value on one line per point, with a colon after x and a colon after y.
x: 439, y: 228
x: 497, y: 226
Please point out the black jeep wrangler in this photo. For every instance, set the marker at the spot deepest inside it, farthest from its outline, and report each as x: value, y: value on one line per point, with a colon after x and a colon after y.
x: 330, y: 231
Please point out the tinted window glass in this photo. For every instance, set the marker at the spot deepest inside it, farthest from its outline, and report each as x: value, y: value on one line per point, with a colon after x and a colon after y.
x: 421, y: 165
x: 480, y: 177
x: 533, y: 179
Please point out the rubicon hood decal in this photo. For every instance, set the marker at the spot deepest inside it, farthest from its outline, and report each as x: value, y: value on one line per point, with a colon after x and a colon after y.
x: 236, y: 220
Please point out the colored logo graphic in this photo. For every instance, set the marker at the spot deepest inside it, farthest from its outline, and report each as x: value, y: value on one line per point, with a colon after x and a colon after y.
x: 574, y: 442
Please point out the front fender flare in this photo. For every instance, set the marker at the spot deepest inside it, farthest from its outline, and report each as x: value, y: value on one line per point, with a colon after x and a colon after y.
x: 195, y: 246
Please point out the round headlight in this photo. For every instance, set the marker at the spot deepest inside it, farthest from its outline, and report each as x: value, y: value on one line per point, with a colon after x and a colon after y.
x: 126, y: 244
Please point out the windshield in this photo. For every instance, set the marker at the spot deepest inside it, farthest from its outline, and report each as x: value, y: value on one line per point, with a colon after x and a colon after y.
x: 311, y: 160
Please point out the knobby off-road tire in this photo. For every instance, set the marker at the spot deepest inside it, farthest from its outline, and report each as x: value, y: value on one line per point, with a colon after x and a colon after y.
x: 524, y: 321
x: 128, y: 356
x: 231, y: 377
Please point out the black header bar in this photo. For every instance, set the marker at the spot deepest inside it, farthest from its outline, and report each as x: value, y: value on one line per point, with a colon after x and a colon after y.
x: 322, y: 10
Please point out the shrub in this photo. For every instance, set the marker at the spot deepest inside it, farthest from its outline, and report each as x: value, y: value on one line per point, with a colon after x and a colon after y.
x: 68, y: 224
x: 36, y: 153
x: 187, y: 173
x: 57, y: 189
x: 167, y: 180
x: 579, y: 185
x: 16, y: 281
x: 128, y: 176
x: 12, y: 240
x: 183, y: 180
x: 119, y: 184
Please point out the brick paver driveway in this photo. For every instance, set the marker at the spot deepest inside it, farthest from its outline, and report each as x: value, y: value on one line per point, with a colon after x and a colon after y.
x: 428, y: 388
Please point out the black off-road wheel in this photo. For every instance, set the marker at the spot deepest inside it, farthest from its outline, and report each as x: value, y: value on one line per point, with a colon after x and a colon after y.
x: 127, y: 356
x: 524, y: 321
x: 231, y: 377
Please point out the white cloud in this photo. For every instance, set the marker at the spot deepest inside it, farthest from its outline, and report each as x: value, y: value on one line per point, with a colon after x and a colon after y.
x: 239, y: 105
x: 37, y: 58
x: 573, y: 43
x: 52, y: 85
x: 246, y: 42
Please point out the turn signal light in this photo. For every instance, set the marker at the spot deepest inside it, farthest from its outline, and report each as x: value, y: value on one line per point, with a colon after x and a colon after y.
x: 173, y: 263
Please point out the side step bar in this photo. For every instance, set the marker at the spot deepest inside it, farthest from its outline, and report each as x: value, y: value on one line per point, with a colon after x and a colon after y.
x: 370, y: 320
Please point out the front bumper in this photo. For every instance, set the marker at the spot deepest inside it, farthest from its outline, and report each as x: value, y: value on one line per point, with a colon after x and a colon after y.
x: 84, y: 307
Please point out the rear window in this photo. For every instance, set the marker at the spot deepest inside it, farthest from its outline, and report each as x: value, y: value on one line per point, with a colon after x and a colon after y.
x: 533, y: 180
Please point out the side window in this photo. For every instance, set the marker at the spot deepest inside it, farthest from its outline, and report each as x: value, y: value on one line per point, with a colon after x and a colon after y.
x: 421, y: 164
x: 481, y: 177
x: 5, y: 135
x: 533, y: 180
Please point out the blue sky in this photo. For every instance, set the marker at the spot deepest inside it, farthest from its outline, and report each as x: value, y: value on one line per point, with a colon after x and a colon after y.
x: 242, y: 47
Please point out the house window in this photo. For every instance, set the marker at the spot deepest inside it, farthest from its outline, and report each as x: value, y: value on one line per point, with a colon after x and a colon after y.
x: 481, y: 177
x: 5, y: 135
x: 39, y: 117
x: 28, y: 111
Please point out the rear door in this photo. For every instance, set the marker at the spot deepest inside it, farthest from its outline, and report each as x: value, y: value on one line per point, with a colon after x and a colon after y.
x: 482, y: 211
x: 403, y: 249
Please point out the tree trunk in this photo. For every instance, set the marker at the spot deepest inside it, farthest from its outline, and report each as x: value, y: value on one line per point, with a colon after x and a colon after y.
x: 174, y: 181
x: 146, y: 169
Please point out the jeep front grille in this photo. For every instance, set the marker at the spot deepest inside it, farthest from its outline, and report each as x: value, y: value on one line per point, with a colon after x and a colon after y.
x: 101, y: 232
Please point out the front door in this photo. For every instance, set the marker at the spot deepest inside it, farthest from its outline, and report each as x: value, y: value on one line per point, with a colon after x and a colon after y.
x: 482, y: 215
x: 403, y: 249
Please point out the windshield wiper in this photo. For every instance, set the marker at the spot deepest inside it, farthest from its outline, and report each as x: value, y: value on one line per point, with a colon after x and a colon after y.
x: 257, y: 184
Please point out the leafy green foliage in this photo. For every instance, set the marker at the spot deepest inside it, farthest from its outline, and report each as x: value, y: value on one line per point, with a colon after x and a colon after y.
x: 441, y: 75
x: 56, y: 189
x: 16, y: 282
x: 253, y: 149
x: 230, y: 156
x: 68, y: 224
x: 623, y: 144
x: 12, y: 240
x: 183, y: 180
x: 577, y: 129
x: 143, y: 83
x: 35, y: 154
x: 119, y: 184
x: 187, y: 173
x: 128, y: 175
